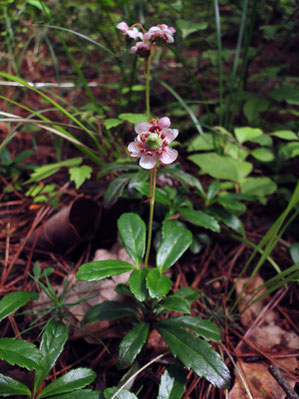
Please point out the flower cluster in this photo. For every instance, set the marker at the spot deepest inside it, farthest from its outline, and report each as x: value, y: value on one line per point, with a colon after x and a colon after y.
x: 155, y: 35
x: 152, y: 143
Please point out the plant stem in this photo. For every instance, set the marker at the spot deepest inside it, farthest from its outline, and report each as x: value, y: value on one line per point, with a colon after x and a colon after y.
x: 151, y: 215
x: 147, y: 74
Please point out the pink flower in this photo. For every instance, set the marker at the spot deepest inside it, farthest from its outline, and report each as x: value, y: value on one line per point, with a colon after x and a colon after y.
x: 160, y: 32
x: 133, y: 33
x: 152, y: 143
x: 142, y: 49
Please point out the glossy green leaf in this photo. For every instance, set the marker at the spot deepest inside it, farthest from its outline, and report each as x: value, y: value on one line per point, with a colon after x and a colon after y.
x: 172, y: 248
x: 73, y: 380
x: 23, y: 353
x: 247, y: 133
x: 259, y: 186
x: 199, y: 218
x: 190, y: 294
x: 222, y: 167
x: 132, y: 231
x: 203, y: 328
x: 115, y: 190
x: 263, y: 154
x: 175, y: 304
x: 185, y: 178
x: 109, y: 310
x: 101, y: 269
x: 11, y: 387
x: 294, y: 251
x: 137, y: 284
x: 53, y: 340
x: 231, y: 205
x: 230, y: 220
x: 285, y: 135
x: 81, y: 394
x: 132, y: 344
x: 13, y: 301
x: 196, y: 354
x: 172, y: 385
x: 78, y: 174
x: 157, y: 284
x: 124, y: 394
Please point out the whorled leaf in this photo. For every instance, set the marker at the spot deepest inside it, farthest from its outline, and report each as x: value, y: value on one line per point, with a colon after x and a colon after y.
x: 98, y: 270
x: 23, y: 353
x: 132, y: 344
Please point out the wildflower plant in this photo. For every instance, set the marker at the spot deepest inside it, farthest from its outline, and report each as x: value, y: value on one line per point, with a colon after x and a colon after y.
x: 148, y: 286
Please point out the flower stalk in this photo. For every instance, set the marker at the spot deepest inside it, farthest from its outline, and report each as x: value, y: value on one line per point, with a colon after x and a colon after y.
x: 147, y: 74
x: 152, y: 191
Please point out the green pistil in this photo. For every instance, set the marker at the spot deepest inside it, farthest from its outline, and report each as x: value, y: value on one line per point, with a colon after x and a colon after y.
x: 153, y: 141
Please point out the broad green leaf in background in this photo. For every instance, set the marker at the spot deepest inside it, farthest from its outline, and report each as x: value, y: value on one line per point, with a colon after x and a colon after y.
x: 172, y: 248
x: 132, y: 344
x: 264, y: 140
x: 157, y: 284
x: 81, y: 394
x: 196, y: 354
x: 123, y: 394
x: 199, y: 218
x: 188, y: 293
x: 288, y: 94
x: 263, y: 154
x: 258, y: 186
x: 115, y: 190
x: 247, y: 133
x: 184, y: 178
x: 172, y: 385
x: 11, y: 387
x: 109, y: 310
x: 23, y: 353
x: 229, y: 219
x: 289, y: 150
x: 52, y: 343
x: 78, y: 174
x: 253, y: 107
x: 203, y: 142
x: 132, y: 231
x: 97, y: 270
x: 294, y: 251
x: 73, y: 380
x: 231, y: 205
x: 160, y: 194
x: 203, y: 328
x: 110, y: 123
x: 221, y: 167
x: 137, y: 283
x: 285, y: 135
x: 13, y: 301
x: 188, y: 27
x: 175, y: 303
x: 44, y: 171
x: 133, y: 118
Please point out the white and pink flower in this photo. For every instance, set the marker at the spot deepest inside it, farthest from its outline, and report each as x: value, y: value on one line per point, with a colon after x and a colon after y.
x: 133, y: 32
x: 152, y: 143
x: 160, y: 32
x: 142, y: 49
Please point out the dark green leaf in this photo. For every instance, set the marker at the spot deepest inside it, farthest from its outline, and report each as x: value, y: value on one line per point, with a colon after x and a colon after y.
x: 185, y: 178
x: 101, y: 269
x: 23, y: 353
x: 123, y: 289
x: 196, y: 354
x: 157, y: 284
x: 294, y: 251
x: 175, y: 304
x: 172, y: 385
x: 288, y: 94
x: 109, y: 310
x: 13, y: 301
x: 73, y: 380
x: 160, y: 195
x: 124, y: 394
x: 199, y: 218
x: 231, y: 205
x: 137, y: 283
x: 117, y: 166
x: 204, y: 328
x: 53, y: 341
x: 11, y: 387
x: 132, y: 231
x: 189, y: 294
x: 81, y: 394
x: 231, y: 221
x: 173, y: 246
x: 115, y: 190
x: 132, y: 344
x: 213, y: 190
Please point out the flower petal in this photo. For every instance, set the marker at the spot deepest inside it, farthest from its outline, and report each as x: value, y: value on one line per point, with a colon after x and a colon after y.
x: 170, y: 134
x: 169, y: 155
x: 164, y: 123
x: 123, y: 26
x: 147, y: 161
x: 142, y: 127
x: 134, y: 150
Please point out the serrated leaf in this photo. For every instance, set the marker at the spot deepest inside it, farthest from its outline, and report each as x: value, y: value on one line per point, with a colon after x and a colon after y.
x: 98, y: 270
x: 196, y: 354
x: 73, y: 380
x: 172, y: 385
x: 53, y: 340
x: 124, y: 394
x: 189, y: 294
x: 132, y: 231
x: 137, y: 283
x: 132, y: 344
x: 15, y: 300
x: 203, y: 328
x: 109, y: 310
x: 11, y: 387
x: 172, y: 248
x: 79, y: 174
x: 175, y: 304
x: 199, y: 218
x: 81, y: 394
x: 157, y: 284
x: 23, y: 353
